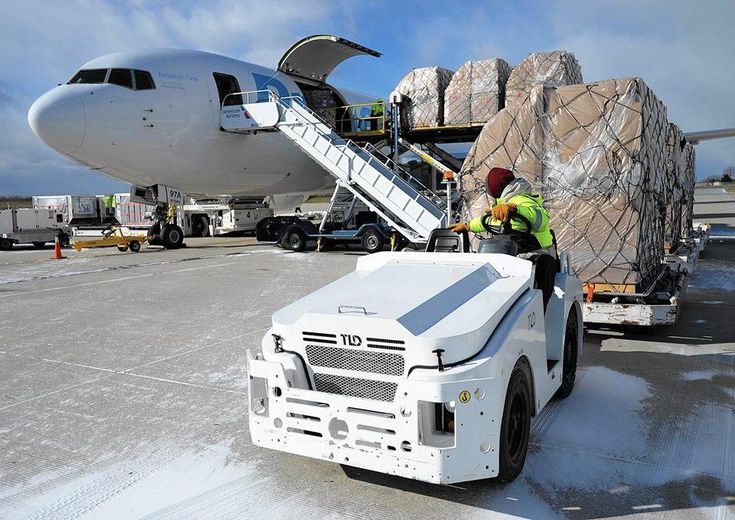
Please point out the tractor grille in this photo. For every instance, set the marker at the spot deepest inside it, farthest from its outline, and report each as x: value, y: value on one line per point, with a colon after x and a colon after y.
x: 354, y: 387
x: 356, y: 360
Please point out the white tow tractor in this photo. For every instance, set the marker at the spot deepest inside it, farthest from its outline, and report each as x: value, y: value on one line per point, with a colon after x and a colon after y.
x: 427, y: 365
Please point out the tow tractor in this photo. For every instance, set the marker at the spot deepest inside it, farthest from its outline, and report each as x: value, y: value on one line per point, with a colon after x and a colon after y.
x: 427, y: 365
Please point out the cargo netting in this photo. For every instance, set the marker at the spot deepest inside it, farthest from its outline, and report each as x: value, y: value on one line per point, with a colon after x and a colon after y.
x: 423, y: 91
x: 476, y: 92
x: 550, y: 69
x: 597, y: 153
x: 688, y: 159
x: 675, y: 180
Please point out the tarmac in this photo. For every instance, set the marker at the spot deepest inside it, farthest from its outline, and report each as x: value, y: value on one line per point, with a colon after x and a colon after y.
x: 123, y: 394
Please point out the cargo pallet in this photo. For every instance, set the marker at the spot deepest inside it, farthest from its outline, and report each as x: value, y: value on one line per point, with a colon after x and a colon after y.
x: 661, y: 304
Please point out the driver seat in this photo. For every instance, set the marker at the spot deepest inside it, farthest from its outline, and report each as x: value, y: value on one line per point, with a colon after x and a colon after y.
x: 444, y: 240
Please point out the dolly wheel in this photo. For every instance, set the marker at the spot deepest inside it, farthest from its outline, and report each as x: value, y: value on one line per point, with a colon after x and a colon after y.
x: 569, y: 370
x: 6, y: 244
x: 515, y: 429
x: 134, y: 246
x: 296, y: 240
x: 372, y: 241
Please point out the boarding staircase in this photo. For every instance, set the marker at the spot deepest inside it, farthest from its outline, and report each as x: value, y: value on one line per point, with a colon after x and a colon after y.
x: 388, y: 190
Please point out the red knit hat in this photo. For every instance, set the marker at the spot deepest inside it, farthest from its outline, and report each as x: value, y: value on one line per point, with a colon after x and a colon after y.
x: 496, y: 181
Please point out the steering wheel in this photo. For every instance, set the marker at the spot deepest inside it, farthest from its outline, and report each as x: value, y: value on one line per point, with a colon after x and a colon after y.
x: 505, y: 228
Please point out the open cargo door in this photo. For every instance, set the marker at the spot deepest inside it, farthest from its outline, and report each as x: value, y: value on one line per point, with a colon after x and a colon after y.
x: 315, y: 57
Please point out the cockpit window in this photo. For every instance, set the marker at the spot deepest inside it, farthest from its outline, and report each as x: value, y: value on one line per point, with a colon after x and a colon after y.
x: 122, y: 77
x: 89, y: 76
x: 143, y: 80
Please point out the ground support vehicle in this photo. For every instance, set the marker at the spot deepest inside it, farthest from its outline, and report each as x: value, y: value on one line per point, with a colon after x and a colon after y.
x: 31, y: 226
x: 371, y: 237
x: 114, y: 236
x: 427, y: 365
x: 221, y: 217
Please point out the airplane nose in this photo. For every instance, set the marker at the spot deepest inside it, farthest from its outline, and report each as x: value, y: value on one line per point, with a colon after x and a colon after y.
x: 58, y: 122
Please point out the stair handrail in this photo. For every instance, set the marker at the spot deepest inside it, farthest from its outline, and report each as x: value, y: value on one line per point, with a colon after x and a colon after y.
x: 287, y: 103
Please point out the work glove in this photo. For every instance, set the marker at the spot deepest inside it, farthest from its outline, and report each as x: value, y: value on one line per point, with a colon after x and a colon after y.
x: 502, y: 212
x: 460, y: 227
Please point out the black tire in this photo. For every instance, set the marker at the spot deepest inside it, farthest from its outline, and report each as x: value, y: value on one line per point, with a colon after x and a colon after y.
x: 172, y: 236
x: 372, y: 241
x: 569, y: 361
x: 39, y: 245
x: 6, y: 244
x: 515, y: 429
x: 134, y: 246
x: 122, y: 249
x: 199, y: 226
x: 296, y: 240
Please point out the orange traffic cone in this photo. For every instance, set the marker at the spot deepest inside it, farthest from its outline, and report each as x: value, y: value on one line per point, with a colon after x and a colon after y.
x: 57, y: 250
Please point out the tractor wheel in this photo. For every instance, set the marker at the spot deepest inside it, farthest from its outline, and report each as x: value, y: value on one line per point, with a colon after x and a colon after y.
x: 122, y: 249
x: 515, y: 429
x: 172, y: 236
x: 372, y: 241
x: 296, y: 240
x: 6, y: 244
x: 569, y: 362
x: 199, y: 226
x: 134, y: 246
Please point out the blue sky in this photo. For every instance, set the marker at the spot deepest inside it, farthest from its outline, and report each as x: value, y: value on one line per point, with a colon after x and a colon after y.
x: 684, y: 50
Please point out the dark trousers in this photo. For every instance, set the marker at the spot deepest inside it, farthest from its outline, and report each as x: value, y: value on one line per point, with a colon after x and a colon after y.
x: 546, y: 268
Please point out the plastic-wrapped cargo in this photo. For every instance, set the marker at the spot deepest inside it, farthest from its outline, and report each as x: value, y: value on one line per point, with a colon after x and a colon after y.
x: 688, y: 161
x: 424, y: 89
x: 476, y: 92
x: 604, y: 172
x: 512, y: 139
x: 552, y: 69
x: 675, y: 178
x: 597, y: 153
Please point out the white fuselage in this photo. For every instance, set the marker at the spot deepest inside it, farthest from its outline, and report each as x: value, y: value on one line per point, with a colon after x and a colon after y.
x: 171, y: 134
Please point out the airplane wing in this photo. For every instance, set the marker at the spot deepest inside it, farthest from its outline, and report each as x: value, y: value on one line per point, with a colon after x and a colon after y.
x: 696, y: 137
x: 315, y: 57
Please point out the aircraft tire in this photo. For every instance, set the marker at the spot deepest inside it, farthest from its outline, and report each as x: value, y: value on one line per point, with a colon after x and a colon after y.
x: 172, y: 236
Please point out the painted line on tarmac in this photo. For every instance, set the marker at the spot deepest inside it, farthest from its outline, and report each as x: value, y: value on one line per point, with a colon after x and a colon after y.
x: 208, y: 345
x: 132, y: 266
x: 76, y: 285
x: 201, y: 267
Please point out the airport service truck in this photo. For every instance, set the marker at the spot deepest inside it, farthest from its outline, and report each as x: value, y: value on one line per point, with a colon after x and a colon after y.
x: 31, y: 226
x: 427, y: 365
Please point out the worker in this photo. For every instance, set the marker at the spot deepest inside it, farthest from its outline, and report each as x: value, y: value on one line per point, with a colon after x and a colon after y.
x: 109, y: 208
x: 515, y: 197
x: 376, y: 115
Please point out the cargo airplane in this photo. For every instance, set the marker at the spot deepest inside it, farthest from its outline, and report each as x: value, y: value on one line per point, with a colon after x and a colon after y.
x: 153, y: 117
